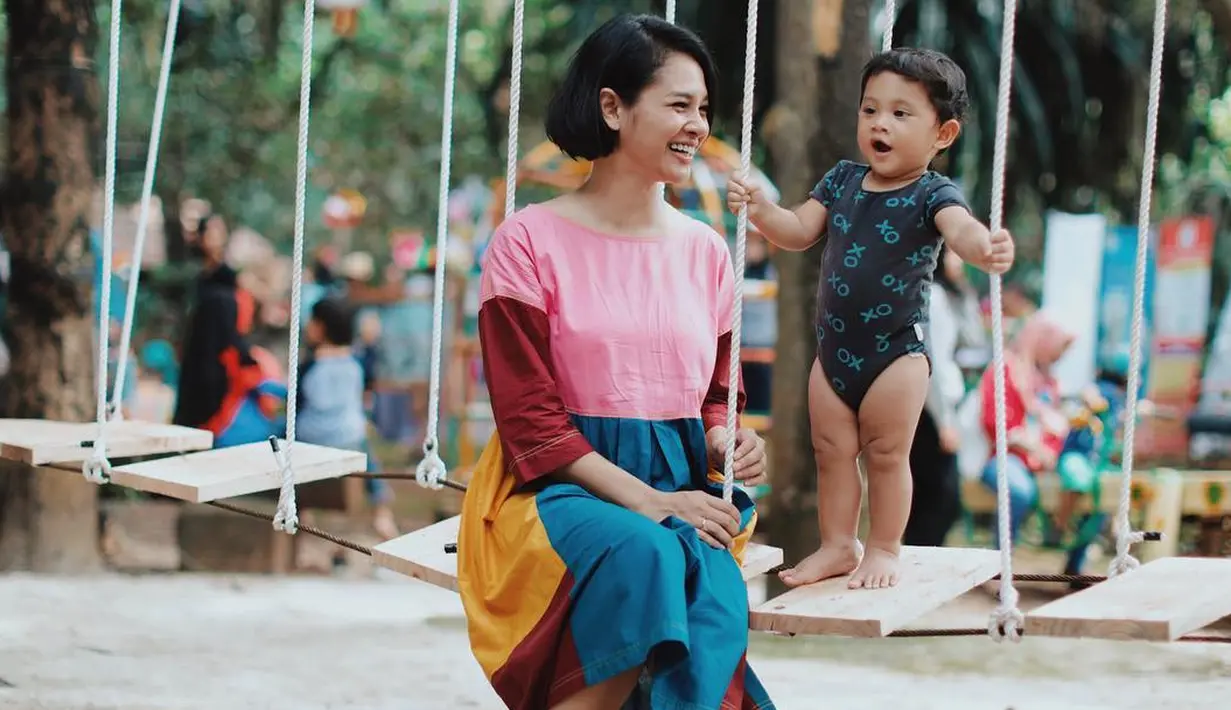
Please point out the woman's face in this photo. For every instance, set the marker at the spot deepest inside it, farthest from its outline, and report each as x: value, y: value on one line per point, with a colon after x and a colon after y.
x: 214, y: 238
x: 661, y: 134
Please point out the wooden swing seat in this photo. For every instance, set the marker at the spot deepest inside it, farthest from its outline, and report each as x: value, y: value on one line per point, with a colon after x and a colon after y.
x: 930, y: 578
x: 1160, y: 601
x: 421, y: 555
x: 39, y: 442
x: 235, y: 471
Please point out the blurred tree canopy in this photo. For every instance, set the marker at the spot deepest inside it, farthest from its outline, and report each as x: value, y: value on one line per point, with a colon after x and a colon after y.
x: 230, y: 129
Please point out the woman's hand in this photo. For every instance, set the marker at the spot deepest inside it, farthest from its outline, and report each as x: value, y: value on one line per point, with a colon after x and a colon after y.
x: 716, y: 521
x: 750, y: 468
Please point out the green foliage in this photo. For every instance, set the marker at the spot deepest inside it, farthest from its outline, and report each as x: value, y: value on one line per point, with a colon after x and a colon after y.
x: 231, y: 129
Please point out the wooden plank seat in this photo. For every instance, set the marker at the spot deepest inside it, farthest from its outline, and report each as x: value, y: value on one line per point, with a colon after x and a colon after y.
x: 38, y: 442
x: 930, y: 578
x: 235, y: 471
x: 421, y: 554
x: 1159, y: 601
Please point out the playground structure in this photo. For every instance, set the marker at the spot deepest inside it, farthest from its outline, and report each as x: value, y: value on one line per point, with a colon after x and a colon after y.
x: 1165, y: 599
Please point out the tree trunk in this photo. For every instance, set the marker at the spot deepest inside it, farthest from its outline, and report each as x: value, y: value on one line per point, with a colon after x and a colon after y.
x: 819, y: 63
x: 49, y: 519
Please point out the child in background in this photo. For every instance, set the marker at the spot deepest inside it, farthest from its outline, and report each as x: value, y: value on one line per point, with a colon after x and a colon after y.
x: 331, y: 396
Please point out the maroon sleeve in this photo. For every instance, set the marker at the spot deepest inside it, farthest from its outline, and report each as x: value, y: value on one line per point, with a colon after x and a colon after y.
x: 714, y: 409
x: 535, y: 431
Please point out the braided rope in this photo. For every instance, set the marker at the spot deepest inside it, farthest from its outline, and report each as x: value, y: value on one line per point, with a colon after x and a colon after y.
x: 510, y: 169
x: 97, y: 468
x: 891, y: 12
x: 143, y: 218
x: 670, y: 12
x: 1125, y: 536
x: 287, y: 517
x: 741, y: 243
x: 1007, y: 619
x: 431, y: 470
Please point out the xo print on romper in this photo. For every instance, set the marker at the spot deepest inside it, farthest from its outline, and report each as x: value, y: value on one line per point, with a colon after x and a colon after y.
x: 883, y: 310
x: 846, y: 357
x: 841, y: 222
x: 854, y: 254
x: 840, y: 287
x: 882, y: 342
x: 898, y: 285
x: 924, y: 252
x: 888, y: 233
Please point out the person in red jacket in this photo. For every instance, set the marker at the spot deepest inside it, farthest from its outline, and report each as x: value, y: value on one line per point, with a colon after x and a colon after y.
x: 1035, y: 426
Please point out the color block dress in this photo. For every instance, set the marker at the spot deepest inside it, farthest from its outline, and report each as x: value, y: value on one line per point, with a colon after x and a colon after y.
x: 618, y: 345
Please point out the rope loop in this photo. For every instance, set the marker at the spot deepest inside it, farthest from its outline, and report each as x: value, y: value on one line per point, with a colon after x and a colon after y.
x: 1007, y: 621
x: 97, y: 469
x: 286, y: 518
x: 431, y: 471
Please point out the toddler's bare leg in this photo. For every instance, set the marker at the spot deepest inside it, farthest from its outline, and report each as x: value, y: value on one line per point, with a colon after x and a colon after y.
x: 887, y: 420
x: 835, y: 443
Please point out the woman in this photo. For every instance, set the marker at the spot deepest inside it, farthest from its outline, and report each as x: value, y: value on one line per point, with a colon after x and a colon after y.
x: 953, y: 323
x: 596, y: 556
x: 1035, y: 426
x: 225, y: 385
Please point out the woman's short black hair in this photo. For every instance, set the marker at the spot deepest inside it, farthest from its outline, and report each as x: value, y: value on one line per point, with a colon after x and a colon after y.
x: 623, y: 55
x: 943, y: 79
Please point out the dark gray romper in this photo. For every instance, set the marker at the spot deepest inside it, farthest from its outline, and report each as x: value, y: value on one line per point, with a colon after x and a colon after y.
x: 880, y: 253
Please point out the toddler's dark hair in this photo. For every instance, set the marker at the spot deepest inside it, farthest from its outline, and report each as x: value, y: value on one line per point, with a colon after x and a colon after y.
x: 337, y: 319
x: 941, y: 77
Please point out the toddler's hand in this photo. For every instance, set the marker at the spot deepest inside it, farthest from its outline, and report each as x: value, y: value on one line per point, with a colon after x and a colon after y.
x: 1000, y: 257
x: 740, y: 193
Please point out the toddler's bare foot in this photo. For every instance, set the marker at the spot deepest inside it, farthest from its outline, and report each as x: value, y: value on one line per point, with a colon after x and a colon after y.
x: 878, y: 569
x: 829, y: 561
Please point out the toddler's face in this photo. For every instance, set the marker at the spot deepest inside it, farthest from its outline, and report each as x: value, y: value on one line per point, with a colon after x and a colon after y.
x: 899, y: 131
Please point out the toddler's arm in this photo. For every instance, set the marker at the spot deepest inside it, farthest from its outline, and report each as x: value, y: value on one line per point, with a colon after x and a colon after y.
x: 973, y: 241
x: 792, y: 230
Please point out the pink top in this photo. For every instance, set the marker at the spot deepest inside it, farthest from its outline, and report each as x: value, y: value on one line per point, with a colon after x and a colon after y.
x: 633, y: 321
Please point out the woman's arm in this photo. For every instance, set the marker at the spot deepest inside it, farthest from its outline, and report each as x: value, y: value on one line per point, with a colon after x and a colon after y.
x: 714, y: 408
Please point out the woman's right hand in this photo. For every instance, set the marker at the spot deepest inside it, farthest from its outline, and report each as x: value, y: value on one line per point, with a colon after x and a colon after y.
x: 717, y: 521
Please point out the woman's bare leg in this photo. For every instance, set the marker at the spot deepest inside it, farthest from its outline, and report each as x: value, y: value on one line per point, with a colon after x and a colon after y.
x: 888, y: 416
x: 608, y: 695
x: 835, y: 443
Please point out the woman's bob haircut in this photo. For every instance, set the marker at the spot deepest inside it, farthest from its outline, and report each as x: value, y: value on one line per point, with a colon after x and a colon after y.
x: 623, y: 55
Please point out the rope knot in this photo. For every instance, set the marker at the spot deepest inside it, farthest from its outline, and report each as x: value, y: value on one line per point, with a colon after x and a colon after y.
x: 1124, y: 561
x: 1007, y: 620
x: 431, y: 471
x: 286, y: 518
x: 97, y: 469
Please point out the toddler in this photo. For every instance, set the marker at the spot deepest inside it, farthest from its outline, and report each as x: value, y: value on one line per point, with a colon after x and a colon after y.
x: 331, y: 392
x: 885, y: 219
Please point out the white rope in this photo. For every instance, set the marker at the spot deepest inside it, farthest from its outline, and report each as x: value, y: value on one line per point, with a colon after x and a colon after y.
x: 431, y: 471
x: 143, y: 219
x: 670, y: 13
x: 510, y: 170
x: 1006, y: 620
x: 741, y: 244
x: 891, y: 12
x: 1125, y: 536
x: 287, y: 516
x: 97, y: 468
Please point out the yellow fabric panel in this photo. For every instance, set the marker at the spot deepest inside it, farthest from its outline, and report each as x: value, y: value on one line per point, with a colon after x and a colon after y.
x: 507, y: 571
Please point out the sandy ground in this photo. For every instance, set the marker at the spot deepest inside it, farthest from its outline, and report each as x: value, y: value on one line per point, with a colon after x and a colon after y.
x: 182, y: 642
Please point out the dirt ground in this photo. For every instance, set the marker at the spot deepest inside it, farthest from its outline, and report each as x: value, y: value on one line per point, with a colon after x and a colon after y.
x: 224, y: 642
